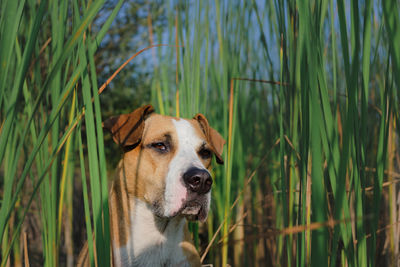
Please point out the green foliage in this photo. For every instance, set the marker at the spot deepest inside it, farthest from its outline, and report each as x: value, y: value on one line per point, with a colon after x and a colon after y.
x: 304, y: 92
x: 332, y: 132
x: 40, y: 74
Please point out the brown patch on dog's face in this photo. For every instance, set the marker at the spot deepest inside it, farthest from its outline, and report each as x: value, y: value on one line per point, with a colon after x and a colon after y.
x: 147, y: 165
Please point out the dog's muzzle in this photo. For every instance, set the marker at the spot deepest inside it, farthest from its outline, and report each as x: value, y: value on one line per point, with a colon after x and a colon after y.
x: 198, y: 183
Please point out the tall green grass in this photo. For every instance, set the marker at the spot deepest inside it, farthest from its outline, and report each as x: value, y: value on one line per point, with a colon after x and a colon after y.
x: 306, y: 93
x: 46, y: 62
x: 330, y: 66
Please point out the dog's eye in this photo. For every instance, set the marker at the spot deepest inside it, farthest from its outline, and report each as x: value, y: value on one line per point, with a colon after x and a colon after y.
x: 160, y: 146
x: 205, y: 153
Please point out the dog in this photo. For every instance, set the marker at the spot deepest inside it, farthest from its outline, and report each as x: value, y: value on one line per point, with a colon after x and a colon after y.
x: 162, y: 180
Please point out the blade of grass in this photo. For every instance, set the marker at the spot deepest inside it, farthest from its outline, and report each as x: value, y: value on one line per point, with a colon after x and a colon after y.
x: 60, y: 144
x: 7, y: 209
x: 8, y: 24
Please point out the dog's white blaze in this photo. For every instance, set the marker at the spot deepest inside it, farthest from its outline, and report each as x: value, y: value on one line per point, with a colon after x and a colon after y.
x: 185, y: 158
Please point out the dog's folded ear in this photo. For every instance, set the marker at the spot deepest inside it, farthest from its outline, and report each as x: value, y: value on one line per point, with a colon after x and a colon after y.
x: 127, y: 129
x: 213, y: 137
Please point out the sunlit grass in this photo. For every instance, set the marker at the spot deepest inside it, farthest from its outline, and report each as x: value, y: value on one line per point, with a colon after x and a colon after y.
x: 305, y: 94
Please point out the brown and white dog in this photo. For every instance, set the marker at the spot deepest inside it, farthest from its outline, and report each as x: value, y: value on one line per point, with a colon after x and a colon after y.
x: 162, y: 180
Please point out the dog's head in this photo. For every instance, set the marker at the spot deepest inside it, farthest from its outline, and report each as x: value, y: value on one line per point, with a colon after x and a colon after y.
x: 167, y: 160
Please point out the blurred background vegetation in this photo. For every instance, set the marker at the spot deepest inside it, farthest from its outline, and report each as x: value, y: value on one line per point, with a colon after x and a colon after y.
x: 306, y: 93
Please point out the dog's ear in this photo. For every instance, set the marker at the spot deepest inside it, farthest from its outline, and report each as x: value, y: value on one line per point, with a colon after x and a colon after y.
x: 213, y: 137
x: 127, y: 129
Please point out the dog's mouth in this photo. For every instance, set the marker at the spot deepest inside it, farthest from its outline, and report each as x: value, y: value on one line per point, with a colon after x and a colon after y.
x: 194, y: 211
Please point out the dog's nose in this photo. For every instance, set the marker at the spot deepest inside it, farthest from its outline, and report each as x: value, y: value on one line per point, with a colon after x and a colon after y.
x: 198, y: 180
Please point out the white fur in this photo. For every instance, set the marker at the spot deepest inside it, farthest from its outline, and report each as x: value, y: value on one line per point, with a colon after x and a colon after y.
x: 185, y: 158
x: 153, y: 248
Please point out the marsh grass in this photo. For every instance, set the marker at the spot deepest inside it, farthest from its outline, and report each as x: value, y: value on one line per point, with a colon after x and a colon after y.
x: 304, y: 92
x: 40, y: 115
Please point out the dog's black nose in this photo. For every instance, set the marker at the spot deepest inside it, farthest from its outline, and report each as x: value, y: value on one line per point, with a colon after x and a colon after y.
x: 198, y: 180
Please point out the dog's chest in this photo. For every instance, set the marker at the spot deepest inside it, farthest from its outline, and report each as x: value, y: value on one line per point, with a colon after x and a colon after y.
x: 150, y: 244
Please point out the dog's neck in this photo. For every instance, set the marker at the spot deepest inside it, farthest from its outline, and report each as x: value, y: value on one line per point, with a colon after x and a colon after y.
x: 144, y: 222
x: 146, y: 239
